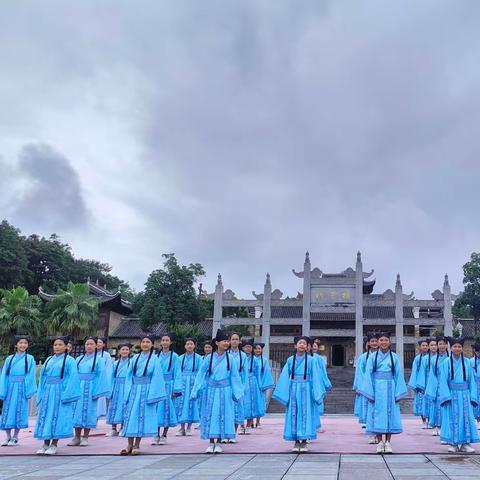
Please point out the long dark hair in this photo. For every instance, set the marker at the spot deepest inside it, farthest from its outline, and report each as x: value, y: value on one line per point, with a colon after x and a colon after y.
x: 94, y: 360
x: 463, y: 367
x: 146, y: 365
x: 293, y: 366
x: 391, y: 361
x: 183, y: 361
x: 211, y: 361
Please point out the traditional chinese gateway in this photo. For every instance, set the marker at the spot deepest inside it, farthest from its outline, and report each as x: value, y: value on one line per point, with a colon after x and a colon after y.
x: 339, y: 308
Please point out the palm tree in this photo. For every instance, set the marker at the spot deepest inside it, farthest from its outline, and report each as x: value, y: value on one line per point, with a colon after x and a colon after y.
x: 19, y: 314
x: 73, y: 311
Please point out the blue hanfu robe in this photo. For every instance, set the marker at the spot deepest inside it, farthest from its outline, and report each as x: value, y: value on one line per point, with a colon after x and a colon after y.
x: 117, y: 399
x: 143, y: 391
x: 253, y: 399
x: 187, y: 369
x: 432, y: 390
x: 383, y: 388
x: 475, y: 361
x: 240, y: 358
x: 413, y: 383
x: 16, y: 388
x: 102, y: 401
x: 299, y: 395
x: 326, y: 383
x: 93, y: 385
x: 266, y: 378
x: 361, y: 402
x: 56, y: 398
x: 166, y: 411
x: 219, y: 389
x: 457, y: 398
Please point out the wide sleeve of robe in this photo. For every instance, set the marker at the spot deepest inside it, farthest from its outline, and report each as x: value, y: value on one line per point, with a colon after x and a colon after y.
x: 433, y: 380
x: 412, y: 382
x: 101, y: 384
x: 266, y: 376
x: 235, y: 380
x: 444, y: 392
x: 31, y: 378
x: 366, y: 385
x: 359, y: 368
x: 177, y: 372
x: 71, y: 382
x: 472, y: 384
x: 157, y: 391
x: 4, y: 379
x: 200, y: 378
x: 323, y: 372
x: 109, y: 372
x: 399, y: 379
x: 282, y: 390
x: 318, y: 382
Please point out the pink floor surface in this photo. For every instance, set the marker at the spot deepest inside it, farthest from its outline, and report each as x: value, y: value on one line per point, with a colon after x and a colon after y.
x: 342, y: 435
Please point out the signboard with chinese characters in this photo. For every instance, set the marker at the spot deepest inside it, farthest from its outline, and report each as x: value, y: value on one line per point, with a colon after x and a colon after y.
x: 326, y: 295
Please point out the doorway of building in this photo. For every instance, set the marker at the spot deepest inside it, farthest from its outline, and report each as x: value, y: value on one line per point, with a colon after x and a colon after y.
x: 338, y: 355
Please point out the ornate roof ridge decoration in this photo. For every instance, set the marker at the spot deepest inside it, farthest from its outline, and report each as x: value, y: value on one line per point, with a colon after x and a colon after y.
x: 409, y: 296
x: 298, y: 274
x: 316, y: 273
x: 258, y: 296
x: 368, y: 274
x: 437, y: 295
x: 299, y: 296
x: 229, y: 295
x: 388, y: 294
x: 277, y: 294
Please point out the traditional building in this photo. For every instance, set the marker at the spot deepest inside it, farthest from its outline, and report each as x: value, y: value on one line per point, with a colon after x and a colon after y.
x: 339, y: 308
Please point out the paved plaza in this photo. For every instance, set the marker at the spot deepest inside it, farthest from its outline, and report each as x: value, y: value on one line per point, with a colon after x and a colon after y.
x: 243, y: 467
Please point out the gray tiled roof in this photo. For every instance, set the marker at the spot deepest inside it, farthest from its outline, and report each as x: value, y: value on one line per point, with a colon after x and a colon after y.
x: 287, y: 312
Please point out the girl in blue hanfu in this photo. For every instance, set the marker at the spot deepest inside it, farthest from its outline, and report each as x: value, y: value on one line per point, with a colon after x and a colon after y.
x: 416, y: 385
x: 105, y: 357
x: 144, y: 389
x: 166, y: 412
x: 220, y: 386
x: 300, y: 388
x: 240, y: 359
x: 361, y: 402
x: 17, y: 385
x: 93, y: 385
x: 266, y: 378
x: 432, y: 388
x: 58, y: 390
x: 117, y: 381
x: 384, y: 386
x: 188, y: 366
x: 475, y: 361
x: 457, y: 397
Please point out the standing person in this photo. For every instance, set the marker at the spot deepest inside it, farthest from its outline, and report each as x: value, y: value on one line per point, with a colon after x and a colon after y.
x: 17, y: 385
x: 457, y: 397
x: 422, y: 379
x: 106, y: 358
x: 207, y: 348
x: 220, y: 386
x: 188, y: 366
x: 166, y: 413
x: 361, y: 402
x: 327, y: 385
x: 432, y: 389
x: 144, y: 389
x: 475, y: 361
x: 58, y: 390
x: 299, y: 389
x: 93, y: 385
x: 240, y: 359
x: 415, y: 383
x: 117, y: 381
x: 384, y: 386
x: 70, y: 347
x: 266, y: 378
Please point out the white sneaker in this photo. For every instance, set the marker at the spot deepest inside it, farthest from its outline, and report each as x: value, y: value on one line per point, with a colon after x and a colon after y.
x: 75, y: 442
x: 188, y: 433
x: 156, y: 440
x: 180, y: 433
x: 218, y: 448
x: 162, y: 441
x: 381, y: 447
x: 13, y: 442
x: 84, y: 442
x: 388, y: 448
x: 453, y: 449
x: 443, y: 442
x: 51, y: 450
x: 296, y: 447
x: 435, y: 432
x: 424, y: 426
x: 372, y: 440
x: 467, y: 448
x: 210, y: 448
x: 5, y: 443
x: 112, y: 433
x: 41, y: 451
x: 232, y: 440
x: 302, y: 448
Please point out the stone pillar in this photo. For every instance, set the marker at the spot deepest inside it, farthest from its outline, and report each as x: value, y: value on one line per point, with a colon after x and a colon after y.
x: 358, y: 307
x: 306, y: 295
x: 217, y: 306
x: 267, y: 314
x: 399, y: 320
x: 447, y: 308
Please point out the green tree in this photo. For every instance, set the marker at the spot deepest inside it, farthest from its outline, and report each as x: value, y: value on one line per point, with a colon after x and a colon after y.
x: 170, y: 296
x: 19, y: 314
x: 469, y: 300
x: 73, y: 311
x: 13, y: 258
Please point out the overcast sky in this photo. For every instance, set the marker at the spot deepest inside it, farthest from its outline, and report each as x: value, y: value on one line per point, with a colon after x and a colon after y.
x: 240, y: 134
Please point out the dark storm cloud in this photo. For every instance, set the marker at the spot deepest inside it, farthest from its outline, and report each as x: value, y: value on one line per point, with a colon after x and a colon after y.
x: 269, y: 128
x: 53, y: 196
